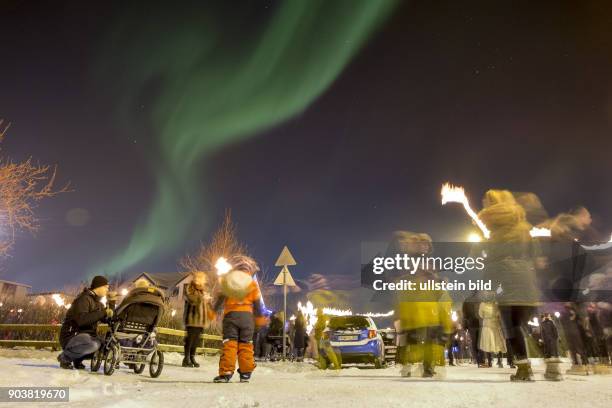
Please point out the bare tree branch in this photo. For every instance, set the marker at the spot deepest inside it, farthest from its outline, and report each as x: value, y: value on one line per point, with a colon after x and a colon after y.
x: 22, y: 187
x: 224, y: 243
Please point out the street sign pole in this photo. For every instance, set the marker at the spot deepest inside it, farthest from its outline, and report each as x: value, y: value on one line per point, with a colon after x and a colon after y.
x: 285, y: 312
x: 284, y: 278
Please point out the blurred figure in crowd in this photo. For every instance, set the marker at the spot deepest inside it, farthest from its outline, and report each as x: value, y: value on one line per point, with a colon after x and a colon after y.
x: 492, y: 339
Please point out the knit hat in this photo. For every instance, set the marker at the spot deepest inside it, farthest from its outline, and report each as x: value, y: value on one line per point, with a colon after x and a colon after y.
x: 244, y: 263
x: 98, y: 281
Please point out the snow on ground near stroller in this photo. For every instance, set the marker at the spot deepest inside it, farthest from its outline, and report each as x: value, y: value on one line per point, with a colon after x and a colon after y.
x: 291, y: 384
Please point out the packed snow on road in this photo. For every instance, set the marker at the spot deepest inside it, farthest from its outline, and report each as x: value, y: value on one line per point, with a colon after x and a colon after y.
x: 289, y: 384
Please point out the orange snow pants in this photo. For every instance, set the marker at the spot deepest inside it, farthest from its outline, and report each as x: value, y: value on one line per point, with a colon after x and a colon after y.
x: 238, y: 329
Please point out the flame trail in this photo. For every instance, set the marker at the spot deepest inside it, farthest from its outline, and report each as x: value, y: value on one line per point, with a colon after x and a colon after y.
x: 539, y: 232
x: 456, y: 194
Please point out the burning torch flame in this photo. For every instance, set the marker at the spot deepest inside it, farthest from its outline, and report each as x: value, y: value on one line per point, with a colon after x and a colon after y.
x: 456, y: 194
x: 539, y: 232
x: 474, y: 237
x: 57, y: 298
x: 222, y: 266
x: 534, y: 322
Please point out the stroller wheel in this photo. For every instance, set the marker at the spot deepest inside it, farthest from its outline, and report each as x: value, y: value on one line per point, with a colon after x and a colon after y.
x: 156, y: 365
x: 111, y: 360
x: 138, y: 368
x: 96, y: 361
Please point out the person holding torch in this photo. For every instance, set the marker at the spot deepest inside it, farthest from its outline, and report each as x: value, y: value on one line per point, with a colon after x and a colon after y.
x: 240, y: 300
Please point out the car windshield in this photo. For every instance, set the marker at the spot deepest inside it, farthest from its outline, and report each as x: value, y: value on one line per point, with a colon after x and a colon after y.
x: 349, y: 322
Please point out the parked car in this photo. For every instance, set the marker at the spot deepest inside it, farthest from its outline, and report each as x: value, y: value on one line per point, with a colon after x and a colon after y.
x: 389, y: 338
x: 354, y: 340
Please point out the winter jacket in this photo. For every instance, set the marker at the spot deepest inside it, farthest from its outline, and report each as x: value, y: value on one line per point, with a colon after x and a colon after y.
x: 299, y: 337
x: 423, y: 308
x: 82, y: 317
x: 491, y: 335
x: 276, y: 327
x: 319, y: 327
x: 251, y: 302
x: 194, y: 313
x: 510, y: 265
x: 470, y: 308
x: 549, y: 330
x: 572, y: 330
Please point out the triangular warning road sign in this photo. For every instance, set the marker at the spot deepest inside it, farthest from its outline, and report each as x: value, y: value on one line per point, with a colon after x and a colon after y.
x: 284, y: 278
x: 285, y: 258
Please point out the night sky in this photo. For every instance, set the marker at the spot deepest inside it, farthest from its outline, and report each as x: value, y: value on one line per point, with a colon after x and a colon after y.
x: 514, y: 95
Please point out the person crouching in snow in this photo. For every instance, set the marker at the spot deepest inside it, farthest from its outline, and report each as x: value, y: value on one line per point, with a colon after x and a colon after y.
x: 78, y: 335
x: 240, y: 300
x: 194, y: 316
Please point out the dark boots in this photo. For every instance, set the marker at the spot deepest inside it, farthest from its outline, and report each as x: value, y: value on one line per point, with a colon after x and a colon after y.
x: 78, y: 364
x: 523, y: 372
x: 64, y: 361
x: 222, y: 378
x: 244, y: 377
x: 187, y: 361
x: 193, y: 362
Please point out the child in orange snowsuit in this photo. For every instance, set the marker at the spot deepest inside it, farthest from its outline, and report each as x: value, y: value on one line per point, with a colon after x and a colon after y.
x: 242, y: 309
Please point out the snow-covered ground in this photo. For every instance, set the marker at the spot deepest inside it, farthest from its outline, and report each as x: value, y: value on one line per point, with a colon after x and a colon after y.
x: 303, y: 385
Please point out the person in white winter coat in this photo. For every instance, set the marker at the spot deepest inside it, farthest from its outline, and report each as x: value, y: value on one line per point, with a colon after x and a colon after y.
x: 492, y: 339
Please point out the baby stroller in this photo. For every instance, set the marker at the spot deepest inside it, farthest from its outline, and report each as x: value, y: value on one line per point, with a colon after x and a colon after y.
x: 131, y: 337
x: 276, y: 347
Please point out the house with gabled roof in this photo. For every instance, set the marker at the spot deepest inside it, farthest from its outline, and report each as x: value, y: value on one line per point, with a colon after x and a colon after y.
x: 172, y: 283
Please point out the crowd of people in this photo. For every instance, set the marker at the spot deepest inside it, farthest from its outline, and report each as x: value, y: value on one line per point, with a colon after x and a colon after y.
x: 517, y: 322
x: 505, y: 321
